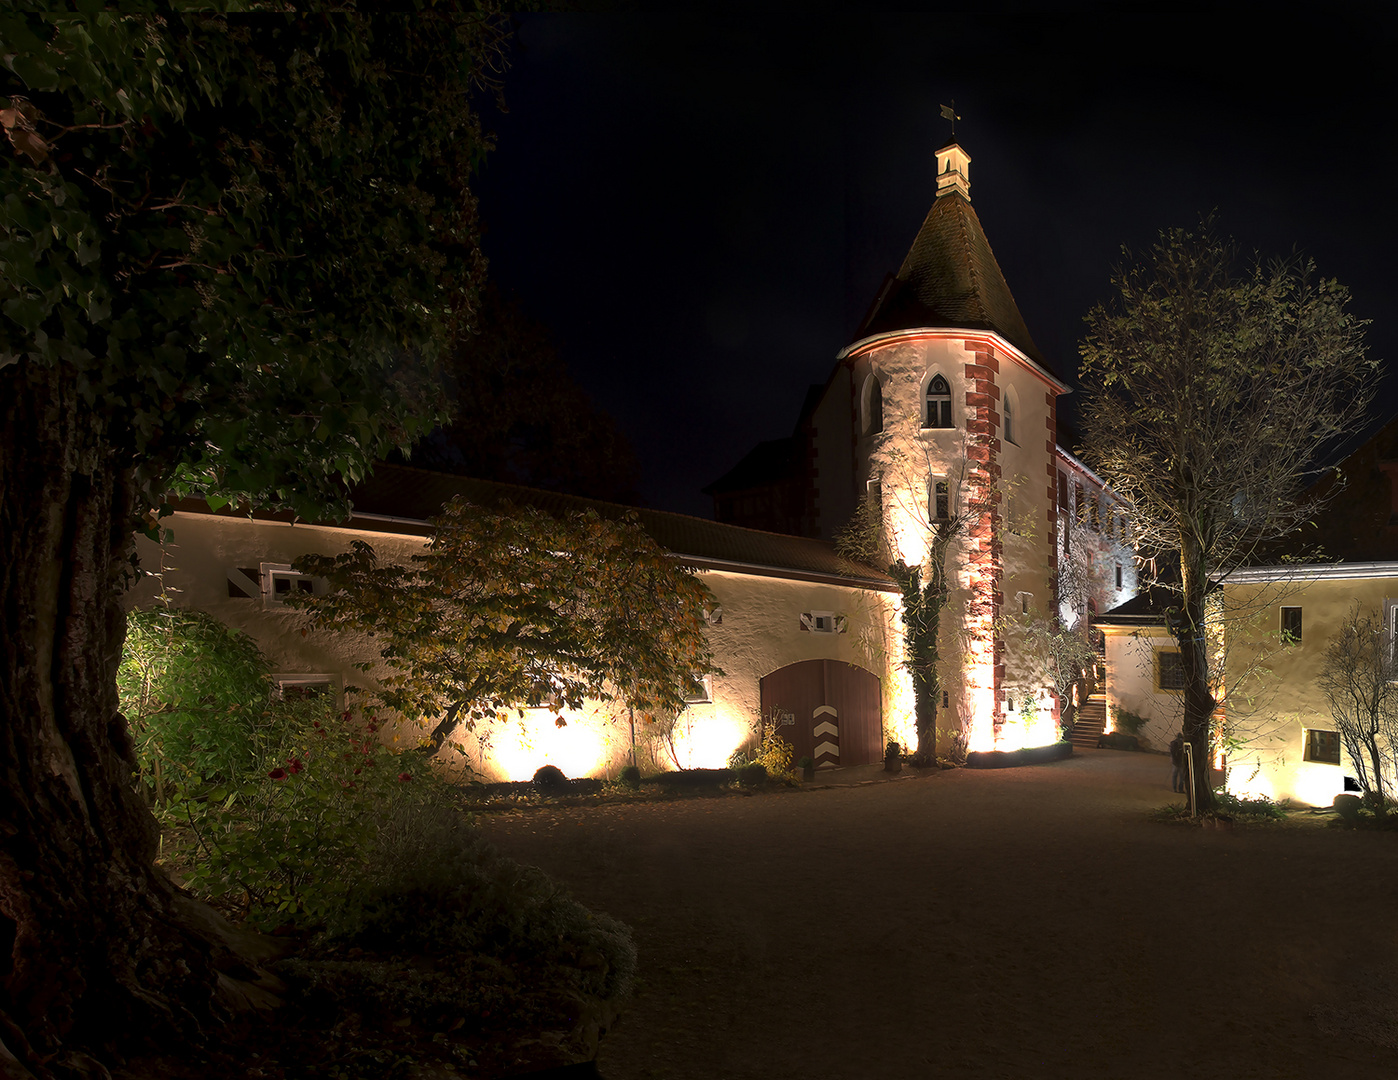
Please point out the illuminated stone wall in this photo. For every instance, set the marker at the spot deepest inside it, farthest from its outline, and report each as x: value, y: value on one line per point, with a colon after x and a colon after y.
x: 1004, y: 562
x: 758, y: 631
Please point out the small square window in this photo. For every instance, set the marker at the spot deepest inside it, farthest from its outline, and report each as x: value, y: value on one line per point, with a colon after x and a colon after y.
x: 823, y: 622
x: 280, y: 582
x: 700, y: 691
x: 1322, y: 746
x: 1291, y: 626
x: 1169, y: 672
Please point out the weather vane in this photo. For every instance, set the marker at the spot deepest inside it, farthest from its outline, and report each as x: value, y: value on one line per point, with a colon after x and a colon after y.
x: 949, y: 113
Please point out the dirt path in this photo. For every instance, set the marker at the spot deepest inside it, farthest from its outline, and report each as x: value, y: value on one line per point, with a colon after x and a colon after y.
x: 1019, y: 923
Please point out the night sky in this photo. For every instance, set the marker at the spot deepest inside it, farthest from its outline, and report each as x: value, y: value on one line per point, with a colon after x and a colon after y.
x: 701, y: 209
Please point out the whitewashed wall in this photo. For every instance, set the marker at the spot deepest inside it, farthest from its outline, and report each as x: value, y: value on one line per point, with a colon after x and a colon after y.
x: 759, y: 632
x: 1131, y: 684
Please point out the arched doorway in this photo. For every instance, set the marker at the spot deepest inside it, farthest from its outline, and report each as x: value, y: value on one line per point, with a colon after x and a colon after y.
x: 829, y: 711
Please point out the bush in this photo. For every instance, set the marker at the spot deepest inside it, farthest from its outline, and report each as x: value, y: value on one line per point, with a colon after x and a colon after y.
x: 433, y: 885
x: 631, y: 776
x: 1116, y: 740
x: 892, y: 751
x: 271, y: 805
x: 1255, y: 807
x: 753, y: 774
x: 1128, y: 722
x: 549, y: 780
x: 689, y: 779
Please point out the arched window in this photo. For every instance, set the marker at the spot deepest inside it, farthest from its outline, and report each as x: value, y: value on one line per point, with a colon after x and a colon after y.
x: 873, y: 406
x: 938, y: 403
x: 939, y: 500
x: 1010, y: 418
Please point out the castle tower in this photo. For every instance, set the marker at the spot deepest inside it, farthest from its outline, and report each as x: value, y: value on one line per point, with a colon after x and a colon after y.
x: 950, y: 423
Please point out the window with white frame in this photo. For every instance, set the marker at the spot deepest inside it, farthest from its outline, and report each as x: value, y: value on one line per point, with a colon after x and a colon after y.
x: 938, y: 403
x: 823, y: 622
x: 289, y: 686
x: 280, y: 581
x: 700, y: 690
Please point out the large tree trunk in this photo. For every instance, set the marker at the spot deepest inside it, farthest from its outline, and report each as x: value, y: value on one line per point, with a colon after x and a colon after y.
x: 1199, y: 702
x: 95, y: 944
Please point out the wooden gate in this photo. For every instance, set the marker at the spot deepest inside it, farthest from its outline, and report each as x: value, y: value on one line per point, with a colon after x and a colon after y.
x: 830, y: 711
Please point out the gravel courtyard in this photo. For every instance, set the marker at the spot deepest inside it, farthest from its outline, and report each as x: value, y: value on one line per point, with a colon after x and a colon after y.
x: 1018, y: 923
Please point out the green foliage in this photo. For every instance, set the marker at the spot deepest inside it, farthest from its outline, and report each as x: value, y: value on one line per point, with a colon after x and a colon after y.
x: 1117, y: 740
x: 631, y: 776
x: 1251, y: 807
x: 511, y: 605
x: 270, y: 804
x: 772, y: 752
x: 1128, y: 721
x: 195, y: 696
x: 242, y: 235
x: 753, y: 774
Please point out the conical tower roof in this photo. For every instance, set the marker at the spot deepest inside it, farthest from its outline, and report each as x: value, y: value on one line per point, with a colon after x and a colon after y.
x: 950, y: 277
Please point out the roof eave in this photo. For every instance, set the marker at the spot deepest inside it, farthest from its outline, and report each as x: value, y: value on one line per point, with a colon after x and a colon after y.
x: 873, y: 341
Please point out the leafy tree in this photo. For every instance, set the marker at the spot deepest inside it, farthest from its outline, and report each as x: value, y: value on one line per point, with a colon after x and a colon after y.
x: 519, y: 417
x: 513, y: 605
x: 1212, y: 391
x: 230, y: 245
x: 1359, y: 683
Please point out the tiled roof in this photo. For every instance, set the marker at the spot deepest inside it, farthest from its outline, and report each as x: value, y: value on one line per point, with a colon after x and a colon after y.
x: 400, y: 491
x: 950, y: 279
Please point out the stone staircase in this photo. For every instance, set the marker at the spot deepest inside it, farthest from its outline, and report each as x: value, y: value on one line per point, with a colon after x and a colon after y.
x: 1090, y: 721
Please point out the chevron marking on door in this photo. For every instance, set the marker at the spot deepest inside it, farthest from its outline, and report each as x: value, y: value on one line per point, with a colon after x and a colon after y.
x: 824, y: 710
x: 827, y: 747
x: 825, y: 728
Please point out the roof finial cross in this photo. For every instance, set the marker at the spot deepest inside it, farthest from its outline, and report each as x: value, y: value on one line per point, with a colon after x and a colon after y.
x: 949, y: 113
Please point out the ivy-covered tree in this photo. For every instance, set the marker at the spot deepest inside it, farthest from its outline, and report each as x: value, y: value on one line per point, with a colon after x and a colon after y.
x: 1213, y: 390
x: 230, y: 245
x: 512, y: 606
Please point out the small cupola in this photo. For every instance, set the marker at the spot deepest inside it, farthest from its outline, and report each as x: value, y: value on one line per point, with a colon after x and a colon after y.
x: 953, y: 171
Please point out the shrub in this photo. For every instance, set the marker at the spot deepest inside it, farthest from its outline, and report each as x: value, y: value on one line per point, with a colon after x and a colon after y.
x: 1116, y: 740
x: 753, y: 774
x: 631, y: 776
x: 1256, y: 807
x: 549, y: 780
x: 433, y: 885
x: 892, y: 751
x: 690, y: 779
x: 1128, y: 722
x: 271, y: 804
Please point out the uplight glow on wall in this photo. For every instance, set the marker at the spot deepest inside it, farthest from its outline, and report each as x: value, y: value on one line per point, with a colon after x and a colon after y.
x: 705, y: 737
x: 520, y: 747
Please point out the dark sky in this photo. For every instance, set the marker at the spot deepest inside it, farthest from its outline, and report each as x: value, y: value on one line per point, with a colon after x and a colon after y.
x: 700, y: 209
